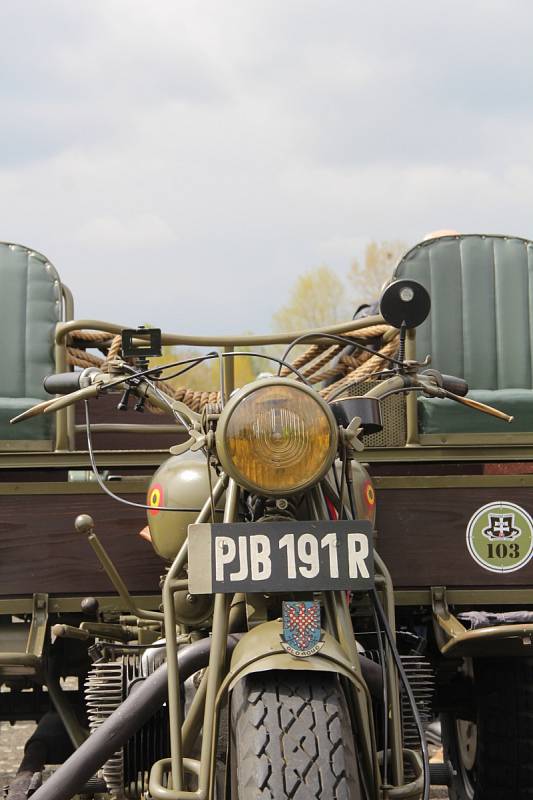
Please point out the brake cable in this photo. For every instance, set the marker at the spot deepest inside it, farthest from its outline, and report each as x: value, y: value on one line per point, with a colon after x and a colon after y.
x: 385, y: 696
x: 378, y: 609
x: 342, y: 340
x: 101, y: 482
x: 233, y: 354
x: 404, y: 679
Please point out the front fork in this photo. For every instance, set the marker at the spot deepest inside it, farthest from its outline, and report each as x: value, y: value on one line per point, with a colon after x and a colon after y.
x: 337, y: 612
x: 177, y: 764
x: 167, y: 775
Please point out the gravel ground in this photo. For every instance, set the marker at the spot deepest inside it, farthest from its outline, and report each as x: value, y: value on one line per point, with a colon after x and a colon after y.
x: 12, y: 739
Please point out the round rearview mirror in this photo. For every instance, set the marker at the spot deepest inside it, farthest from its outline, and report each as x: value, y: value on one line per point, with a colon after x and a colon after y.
x: 404, y: 303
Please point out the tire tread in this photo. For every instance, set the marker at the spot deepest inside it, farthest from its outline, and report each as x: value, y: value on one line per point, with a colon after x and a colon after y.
x: 292, y: 738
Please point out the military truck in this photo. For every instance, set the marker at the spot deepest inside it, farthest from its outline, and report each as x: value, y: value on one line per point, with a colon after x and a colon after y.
x: 447, y: 491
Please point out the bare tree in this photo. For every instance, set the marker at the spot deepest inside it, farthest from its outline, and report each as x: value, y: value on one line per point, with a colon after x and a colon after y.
x: 367, y: 278
x: 317, y: 298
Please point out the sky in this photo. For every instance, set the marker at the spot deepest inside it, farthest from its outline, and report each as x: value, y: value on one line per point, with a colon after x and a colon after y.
x: 182, y: 163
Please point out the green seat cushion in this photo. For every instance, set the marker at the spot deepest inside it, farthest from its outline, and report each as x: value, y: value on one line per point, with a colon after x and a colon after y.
x: 448, y: 416
x: 479, y: 327
x: 30, y: 308
x: 35, y: 428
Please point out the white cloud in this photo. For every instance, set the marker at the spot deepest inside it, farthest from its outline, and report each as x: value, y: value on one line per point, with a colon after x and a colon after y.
x: 138, y: 231
x: 210, y: 150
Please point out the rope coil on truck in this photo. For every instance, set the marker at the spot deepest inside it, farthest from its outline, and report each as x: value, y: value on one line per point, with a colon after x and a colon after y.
x: 318, y: 363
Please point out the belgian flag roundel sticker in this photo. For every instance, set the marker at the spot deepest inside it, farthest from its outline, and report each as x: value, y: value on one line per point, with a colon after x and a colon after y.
x: 155, y: 498
x: 369, y: 494
x: 499, y: 537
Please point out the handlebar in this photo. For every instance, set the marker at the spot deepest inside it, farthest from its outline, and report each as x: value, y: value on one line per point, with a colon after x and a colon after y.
x: 72, y: 386
x: 437, y: 386
x: 62, y: 383
x: 91, y: 381
x: 449, y: 383
x: 67, y: 382
x: 434, y: 384
x: 456, y: 386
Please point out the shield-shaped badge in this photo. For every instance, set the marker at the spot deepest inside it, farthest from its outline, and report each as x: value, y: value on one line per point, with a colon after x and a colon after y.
x: 301, y: 627
x: 501, y: 527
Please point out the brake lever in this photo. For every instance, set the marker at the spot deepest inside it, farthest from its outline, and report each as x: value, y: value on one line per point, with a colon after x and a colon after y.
x: 434, y: 390
x: 475, y: 404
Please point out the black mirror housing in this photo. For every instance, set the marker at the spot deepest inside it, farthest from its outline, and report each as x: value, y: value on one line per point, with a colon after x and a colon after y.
x: 404, y: 304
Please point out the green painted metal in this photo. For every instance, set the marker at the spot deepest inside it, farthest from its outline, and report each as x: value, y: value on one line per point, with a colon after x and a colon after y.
x: 128, y: 486
x: 467, y: 597
x: 76, y: 732
x: 384, y: 584
x: 71, y: 604
x: 316, y: 334
x: 452, y: 481
x: 181, y: 482
x: 455, y: 641
x: 28, y: 659
x: 218, y: 651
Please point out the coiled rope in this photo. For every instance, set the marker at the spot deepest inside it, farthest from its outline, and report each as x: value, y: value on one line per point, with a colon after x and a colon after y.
x: 318, y: 363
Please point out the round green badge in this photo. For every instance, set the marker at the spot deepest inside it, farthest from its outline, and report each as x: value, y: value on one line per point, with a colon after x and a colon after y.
x: 499, y: 537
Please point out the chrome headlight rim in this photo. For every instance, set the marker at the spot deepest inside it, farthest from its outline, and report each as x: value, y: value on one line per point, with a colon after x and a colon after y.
x: 227, y: 413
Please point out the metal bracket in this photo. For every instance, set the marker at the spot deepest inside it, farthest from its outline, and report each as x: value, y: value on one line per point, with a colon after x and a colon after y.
x: 446, y: 626
x: 39, y: 621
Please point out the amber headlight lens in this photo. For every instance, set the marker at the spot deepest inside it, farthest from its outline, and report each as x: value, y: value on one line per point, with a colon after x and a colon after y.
x: 276, y: 438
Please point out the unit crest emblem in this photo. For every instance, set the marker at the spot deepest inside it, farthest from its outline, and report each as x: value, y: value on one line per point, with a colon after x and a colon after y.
x: 301, y: 628
x: 499, y: 537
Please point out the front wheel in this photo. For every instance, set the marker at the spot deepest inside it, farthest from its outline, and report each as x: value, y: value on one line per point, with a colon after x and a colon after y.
x: 292, y: 738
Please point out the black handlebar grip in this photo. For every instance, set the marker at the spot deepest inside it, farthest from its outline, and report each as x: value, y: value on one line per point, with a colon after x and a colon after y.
x: 62, y: 382
x: 455, y: 385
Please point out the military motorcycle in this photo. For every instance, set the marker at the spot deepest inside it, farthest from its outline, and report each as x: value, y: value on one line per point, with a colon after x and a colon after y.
x: 275, y: 667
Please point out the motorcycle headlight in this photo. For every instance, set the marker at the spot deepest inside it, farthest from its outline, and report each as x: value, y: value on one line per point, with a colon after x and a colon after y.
x: 276, y: 437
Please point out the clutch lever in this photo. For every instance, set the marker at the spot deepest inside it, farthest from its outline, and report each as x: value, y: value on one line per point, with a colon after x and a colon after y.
x: 55, y: 403
x: 32, y: 412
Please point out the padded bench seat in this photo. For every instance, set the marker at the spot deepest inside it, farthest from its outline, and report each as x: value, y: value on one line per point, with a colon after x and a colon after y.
x: 35, y: 429
x: 30, y: 308
x: 479, y: 328
x: 448, y: 416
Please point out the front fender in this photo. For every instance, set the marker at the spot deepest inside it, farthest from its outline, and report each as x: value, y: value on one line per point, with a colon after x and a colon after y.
x: 260, y: 650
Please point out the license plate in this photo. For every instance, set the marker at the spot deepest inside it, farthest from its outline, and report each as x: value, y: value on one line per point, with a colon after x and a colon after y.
x: 280, y: 556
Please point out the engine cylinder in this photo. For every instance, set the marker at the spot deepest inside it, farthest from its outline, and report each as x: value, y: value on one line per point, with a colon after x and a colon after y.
x: 108, y: 684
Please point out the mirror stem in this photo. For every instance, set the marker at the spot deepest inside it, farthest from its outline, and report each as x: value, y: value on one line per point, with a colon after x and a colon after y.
x: 401, y: 349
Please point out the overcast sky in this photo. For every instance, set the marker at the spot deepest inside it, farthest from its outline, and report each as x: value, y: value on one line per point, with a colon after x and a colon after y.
x: 183, y: 162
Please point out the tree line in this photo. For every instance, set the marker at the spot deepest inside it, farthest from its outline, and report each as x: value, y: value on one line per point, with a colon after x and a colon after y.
x: 318, y: 297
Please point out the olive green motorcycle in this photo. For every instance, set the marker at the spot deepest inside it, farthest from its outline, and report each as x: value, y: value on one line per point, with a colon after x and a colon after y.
x: 273, y: 669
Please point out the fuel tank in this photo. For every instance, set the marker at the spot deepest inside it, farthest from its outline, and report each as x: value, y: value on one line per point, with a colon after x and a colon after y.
x: 365, y: 495
x: 180, y: 482
x: 363, y: 489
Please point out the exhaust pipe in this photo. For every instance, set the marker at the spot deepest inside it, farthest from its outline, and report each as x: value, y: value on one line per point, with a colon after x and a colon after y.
x: 143, y: 702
